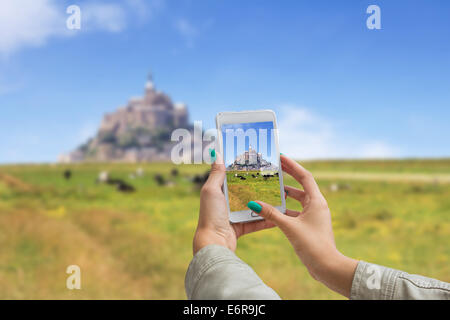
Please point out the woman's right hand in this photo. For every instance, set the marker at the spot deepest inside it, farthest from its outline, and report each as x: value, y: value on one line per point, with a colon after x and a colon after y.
x: 310, y: 231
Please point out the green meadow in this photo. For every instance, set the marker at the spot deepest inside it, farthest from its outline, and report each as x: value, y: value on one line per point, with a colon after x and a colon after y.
x: 138, y: 245
x: 254, y: 187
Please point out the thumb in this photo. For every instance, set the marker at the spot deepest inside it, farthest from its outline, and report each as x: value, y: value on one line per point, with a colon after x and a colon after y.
x: 269, y: 213
x: 217, y: 174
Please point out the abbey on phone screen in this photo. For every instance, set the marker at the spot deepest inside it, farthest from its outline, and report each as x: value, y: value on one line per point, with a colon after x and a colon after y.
x: 248, y: 141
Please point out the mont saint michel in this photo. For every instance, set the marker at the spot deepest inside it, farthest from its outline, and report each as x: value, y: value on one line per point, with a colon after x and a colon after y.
x: 139, y: 131
x: 251, y: 160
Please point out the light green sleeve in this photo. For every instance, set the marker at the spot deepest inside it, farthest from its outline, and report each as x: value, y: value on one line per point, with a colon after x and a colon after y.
x: 372, y: 281
x: 216, y: 273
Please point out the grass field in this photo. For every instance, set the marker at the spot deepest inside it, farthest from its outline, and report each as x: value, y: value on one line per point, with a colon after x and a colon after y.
x: 240, y: 192
x: 138, y: 245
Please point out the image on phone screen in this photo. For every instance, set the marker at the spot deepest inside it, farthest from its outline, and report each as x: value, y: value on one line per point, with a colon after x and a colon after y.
x: 252, y: 164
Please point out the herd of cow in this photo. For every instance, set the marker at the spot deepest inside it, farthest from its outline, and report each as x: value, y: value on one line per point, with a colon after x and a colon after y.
x: 197, y: 180
x: 265, y: 176
x: 122, y: 186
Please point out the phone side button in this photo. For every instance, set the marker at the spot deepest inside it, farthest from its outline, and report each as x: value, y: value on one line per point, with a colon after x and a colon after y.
x: 254, y: 215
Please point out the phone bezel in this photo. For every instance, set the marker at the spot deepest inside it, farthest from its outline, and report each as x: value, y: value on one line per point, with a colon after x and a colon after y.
x: 249, y: 117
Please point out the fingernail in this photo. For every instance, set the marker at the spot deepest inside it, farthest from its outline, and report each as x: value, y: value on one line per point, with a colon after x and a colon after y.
x: 287, y: 192
x: 212, y: 153
x: 254, y: 206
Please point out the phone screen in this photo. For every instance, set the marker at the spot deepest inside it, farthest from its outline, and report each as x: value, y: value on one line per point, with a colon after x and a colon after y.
x: 252, y: 164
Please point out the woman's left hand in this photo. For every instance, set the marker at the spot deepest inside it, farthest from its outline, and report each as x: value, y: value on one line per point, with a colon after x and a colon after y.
x: 213, y: 224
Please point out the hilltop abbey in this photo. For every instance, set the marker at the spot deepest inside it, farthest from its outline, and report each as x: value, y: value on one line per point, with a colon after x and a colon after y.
x: 154, y: 110
x: 251, y: 160
x: 137, y: 132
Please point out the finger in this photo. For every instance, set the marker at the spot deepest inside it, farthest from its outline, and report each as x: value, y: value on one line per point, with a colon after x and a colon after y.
x: 292, y: 213
x: 296, y: 194
x: 246, y: 228
x: 269, y: 213
x: 287, y: 170
x: 217, y: 174
x: 303, y: 176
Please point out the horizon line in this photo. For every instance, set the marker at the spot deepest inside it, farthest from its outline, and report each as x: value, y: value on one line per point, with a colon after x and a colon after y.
x: 447, y: 158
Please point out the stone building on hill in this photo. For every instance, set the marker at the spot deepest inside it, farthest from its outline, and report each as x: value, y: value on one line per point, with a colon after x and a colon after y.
x: 140, y: 131
x: 251, y: 160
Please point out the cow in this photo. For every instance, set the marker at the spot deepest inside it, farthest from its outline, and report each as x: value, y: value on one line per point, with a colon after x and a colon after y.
x: 121, y: 185
x: 103, y: 177
x: 159, y: 179
x: 139, y: 172
x: 174, y: 172
x: 67, y: 174
x: 199, y: 180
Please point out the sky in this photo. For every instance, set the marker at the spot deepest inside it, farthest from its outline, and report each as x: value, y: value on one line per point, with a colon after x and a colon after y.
x: 258, y: 135
x: 339, y: 89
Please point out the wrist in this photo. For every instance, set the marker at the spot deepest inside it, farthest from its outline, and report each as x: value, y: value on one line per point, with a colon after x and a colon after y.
x: 205, y: 237
x: 336, y: 272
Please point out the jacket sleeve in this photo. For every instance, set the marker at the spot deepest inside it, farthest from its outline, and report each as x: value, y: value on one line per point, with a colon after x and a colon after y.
x: 376, y: 282
x: 216, y: 273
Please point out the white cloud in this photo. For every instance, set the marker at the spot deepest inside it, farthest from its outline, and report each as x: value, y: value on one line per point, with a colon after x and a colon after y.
x: 6, y: 88
x: 31, y: 23
x: 305, y: 135
x: 187, y: 30
x: 107, y: 17
x: 145, y: 9
x: 378, y: 149
x: 114, y: 17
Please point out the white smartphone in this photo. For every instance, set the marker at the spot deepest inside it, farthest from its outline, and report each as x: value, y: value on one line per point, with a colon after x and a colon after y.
x: 248, y: 142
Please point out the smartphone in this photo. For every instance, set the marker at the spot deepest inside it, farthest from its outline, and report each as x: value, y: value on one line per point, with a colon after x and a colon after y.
x: 248, y: 141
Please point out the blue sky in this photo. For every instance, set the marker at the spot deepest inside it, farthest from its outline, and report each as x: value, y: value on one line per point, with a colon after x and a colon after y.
x: 246, y: 135
x: 339, y: 89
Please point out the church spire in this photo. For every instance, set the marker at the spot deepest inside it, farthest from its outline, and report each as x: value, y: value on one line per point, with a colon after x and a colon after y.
x: 149, y: 86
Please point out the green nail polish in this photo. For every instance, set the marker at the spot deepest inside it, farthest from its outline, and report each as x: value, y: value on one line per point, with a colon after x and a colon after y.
x: 254, y: 206
x: 287, y: 192
x: 212, y: 153
x: 281, y: 154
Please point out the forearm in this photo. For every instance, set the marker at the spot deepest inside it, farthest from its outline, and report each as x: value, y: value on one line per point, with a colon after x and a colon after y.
x: 217, y: 273
x: 359, y: 280
x: 337, y: 273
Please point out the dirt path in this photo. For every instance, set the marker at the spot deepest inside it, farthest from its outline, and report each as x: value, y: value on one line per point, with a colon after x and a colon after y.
x: 15, y: 183
x: 391, y: 177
